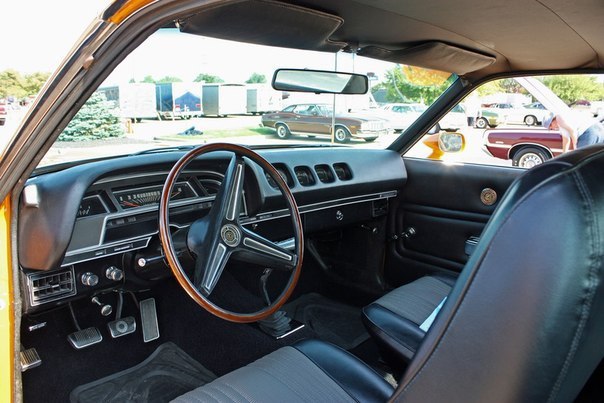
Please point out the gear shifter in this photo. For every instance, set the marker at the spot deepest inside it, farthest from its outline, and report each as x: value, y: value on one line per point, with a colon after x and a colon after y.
x: 277, y: 324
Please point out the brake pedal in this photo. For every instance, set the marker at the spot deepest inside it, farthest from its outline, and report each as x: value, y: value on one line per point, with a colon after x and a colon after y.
x: 149, y: 320
x: 85, y: 338
x: 122, y: 327
x: 29, y: 359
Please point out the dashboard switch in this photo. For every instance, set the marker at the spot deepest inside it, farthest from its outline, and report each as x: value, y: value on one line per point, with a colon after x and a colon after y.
x: 89, y: 279
x: 114, y: 273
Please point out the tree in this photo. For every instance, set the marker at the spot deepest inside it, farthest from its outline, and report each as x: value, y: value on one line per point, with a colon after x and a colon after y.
x: 169, y: 79
x: 33, y: 82
x: 96, y: 120
x: 11, y: 84
x: 208, y: 78
x: 256, y: 78
x: 571, y: 88
x: 148, y: 79
x: 15, y: 84
x: 405, y: 84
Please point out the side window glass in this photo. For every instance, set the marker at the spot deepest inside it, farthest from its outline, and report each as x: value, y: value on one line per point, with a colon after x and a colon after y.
x: 522, y: 122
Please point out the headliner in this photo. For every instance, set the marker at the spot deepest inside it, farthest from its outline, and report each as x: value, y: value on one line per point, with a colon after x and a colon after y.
x: 522, y: 35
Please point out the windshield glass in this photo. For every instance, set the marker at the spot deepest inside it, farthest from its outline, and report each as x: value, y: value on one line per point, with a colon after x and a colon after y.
x: 178, y: 89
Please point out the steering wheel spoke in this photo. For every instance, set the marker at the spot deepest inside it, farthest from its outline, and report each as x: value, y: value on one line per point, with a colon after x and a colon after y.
x: 209, y: 267
x: 230, y: 196
x: 260, y: 250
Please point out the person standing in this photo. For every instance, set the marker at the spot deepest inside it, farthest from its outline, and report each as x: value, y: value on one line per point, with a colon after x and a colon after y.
x: 576, y: 132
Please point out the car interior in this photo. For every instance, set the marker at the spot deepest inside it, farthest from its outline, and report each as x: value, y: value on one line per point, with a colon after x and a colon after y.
x: 308, y: 272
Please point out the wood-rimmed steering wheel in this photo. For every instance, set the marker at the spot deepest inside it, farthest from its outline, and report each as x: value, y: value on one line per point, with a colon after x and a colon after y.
x: 219, y: 236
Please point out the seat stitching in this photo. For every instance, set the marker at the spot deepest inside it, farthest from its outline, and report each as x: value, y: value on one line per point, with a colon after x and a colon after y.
x: 591, y: 288
x: 472, y: 279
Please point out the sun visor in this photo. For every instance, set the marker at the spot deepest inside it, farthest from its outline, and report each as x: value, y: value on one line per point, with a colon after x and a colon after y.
x: 266, y: 22
x: 432, y: 55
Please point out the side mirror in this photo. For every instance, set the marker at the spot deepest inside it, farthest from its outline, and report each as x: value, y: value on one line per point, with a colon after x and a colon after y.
x: 444, y: 142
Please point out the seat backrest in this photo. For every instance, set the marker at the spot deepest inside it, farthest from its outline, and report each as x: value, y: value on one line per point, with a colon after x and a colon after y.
x: 525, y: 320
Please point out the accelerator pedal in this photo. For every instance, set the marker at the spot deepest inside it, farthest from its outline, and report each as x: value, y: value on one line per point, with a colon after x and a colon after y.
x: 85, y: 338
x: 149, y: 320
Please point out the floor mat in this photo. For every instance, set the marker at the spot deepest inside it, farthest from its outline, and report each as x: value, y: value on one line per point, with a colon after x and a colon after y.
x: 333, y: 321
x: 168, y: 373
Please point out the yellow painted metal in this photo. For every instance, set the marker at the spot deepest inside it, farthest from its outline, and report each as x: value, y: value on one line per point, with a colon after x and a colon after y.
x: 7, y: 323
x: 127, y: 9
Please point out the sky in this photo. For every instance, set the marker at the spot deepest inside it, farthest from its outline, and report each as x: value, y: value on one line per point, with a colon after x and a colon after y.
x: 39, y: 34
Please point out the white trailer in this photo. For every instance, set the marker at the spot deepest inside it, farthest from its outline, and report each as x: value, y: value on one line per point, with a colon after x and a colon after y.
x: 262, y: 98
x: 178, y: 100
x: 224, y: 99
x: 135, y: 101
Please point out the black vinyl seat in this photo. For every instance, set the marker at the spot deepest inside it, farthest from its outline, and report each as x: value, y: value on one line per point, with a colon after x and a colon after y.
x: 394, y: 320
x: 523, y: 323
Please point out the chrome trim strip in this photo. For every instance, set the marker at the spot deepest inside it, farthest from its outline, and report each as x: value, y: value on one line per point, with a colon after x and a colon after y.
x: 113, y: 245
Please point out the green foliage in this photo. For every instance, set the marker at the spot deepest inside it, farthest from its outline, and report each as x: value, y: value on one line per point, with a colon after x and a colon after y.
x: 400, y: 89
x: 571, y: 88
x: 96, y: 120
x: 148, y: 79
x: 208, y: 78
x: 256, y: 78
x: 15, y: 84
x: 169, y: 79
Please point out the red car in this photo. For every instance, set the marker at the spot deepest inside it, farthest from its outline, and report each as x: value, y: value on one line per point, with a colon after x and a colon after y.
x: 525, y: 147
x: 3, y: 113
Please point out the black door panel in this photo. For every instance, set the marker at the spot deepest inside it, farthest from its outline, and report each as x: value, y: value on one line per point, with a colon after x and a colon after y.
x: 439, y: 209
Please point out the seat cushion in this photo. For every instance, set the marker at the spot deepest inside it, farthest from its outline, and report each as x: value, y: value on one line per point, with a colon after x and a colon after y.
x: 309, y: 371
x: 394, y: 320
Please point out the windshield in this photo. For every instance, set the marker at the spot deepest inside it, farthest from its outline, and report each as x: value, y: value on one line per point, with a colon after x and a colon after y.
x: 178, y: 89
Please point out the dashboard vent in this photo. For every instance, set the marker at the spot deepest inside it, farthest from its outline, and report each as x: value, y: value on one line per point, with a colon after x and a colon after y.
x: 284, y: 172
x: 343, y: 171
x: 48, y: 287
x: 324, y: 173
x: 304, y: 176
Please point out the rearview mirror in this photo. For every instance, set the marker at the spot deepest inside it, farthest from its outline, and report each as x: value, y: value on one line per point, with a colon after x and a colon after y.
x: 320, y: 82
x: 444, y: 142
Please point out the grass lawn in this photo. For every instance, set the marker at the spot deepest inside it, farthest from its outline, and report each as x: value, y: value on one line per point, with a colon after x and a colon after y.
x: 216, y: 134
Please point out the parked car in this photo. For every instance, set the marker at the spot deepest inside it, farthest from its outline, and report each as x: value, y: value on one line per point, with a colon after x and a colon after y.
x: 489, y: 118
x: 315, y: 120
x: 402, y: 115
x: 3, y: 113
x: 525, y: 147
x: 454, y: 120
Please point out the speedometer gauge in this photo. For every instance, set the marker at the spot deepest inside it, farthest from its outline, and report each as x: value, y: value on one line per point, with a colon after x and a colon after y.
x: 149, y: 195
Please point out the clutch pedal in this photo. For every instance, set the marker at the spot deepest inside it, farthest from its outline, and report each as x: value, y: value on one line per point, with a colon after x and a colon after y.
x: 29, y: 359
x: 85, y: 338
x: 149, y: 320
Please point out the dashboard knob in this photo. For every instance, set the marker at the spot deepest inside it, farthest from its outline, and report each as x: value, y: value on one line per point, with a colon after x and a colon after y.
x: 89, y: 279
x: 114, y: 273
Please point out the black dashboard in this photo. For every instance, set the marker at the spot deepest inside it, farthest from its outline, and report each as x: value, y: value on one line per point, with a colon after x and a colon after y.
x: 79, y: 224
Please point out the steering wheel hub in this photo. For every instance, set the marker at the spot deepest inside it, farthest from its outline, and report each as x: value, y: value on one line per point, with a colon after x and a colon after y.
x: 231, y: 235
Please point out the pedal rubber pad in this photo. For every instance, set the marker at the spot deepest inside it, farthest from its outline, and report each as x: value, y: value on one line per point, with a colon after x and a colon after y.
x: 149, y: 320
x: 85, y: 338
x: 122, y: 327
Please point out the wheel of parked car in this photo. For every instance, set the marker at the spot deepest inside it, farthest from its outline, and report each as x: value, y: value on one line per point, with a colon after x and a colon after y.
x: 282, y: 131
x: 530, y: 120
x: 219, y: 236
x: 341, y: 135
x: 482, y: 123
x: 528, y: 157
